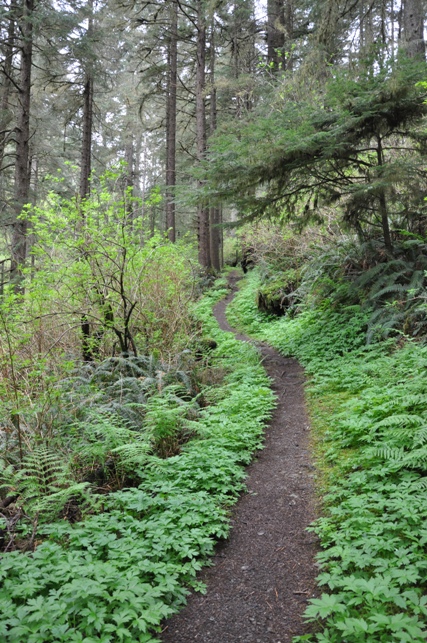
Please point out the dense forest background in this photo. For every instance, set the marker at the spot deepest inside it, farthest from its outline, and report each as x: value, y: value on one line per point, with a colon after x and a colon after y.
x: 88, y: 87
x: 143, y: 146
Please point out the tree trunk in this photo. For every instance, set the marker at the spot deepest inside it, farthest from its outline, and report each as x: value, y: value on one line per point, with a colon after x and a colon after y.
x: 366, y: 27
x: 215, y: 231
x: 5, y: 116
x: 129, y: 160
x: 383, y: 203
x: 22, y: 169
x: 235, y: 55
x: 86, y: 151
x: 413, y: 28
x: 171, y: 122
x: 215, y: 238
x: 275, y: 34
x: 202, y: 210
x: 85, y: 172
x: 289, y: 34
x: 130, y: 177
x: 327, y: 35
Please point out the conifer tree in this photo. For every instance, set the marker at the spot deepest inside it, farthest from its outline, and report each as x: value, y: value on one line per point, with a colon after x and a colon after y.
x: 8, y: 28
x: 359, y: 146
x: 26, y: 18
x: 203, y: 229
x: 171, y: 108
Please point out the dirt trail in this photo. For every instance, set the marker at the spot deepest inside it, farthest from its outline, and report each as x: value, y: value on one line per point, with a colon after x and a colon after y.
x: 264, y: 574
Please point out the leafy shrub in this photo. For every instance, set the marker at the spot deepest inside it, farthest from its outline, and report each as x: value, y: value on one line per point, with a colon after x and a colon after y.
x: 109, y: 417
x: 96, y: 292
x: 116, y: 575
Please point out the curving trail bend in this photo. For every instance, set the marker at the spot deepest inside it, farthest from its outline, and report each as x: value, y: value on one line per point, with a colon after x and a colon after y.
x: 263, y: 575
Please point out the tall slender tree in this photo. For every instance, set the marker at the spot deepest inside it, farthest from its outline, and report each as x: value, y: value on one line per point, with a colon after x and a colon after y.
x: 7, y: 83
x: 202, y: 209
x: 171, y: 106
x: 215, y: 211
x: 86, y: 161
x: 87, y: 120
x: 275, y: 34
x: 22, y: 137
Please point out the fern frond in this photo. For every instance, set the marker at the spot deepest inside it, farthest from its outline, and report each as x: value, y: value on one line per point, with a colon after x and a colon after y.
x: 400, y: 419
x: 392, y: 288
x: 368, y: 276
x: 420, y: 484
x: 127, y: 387
x: 7, y: 477
x: 421, y: 436
x: 414, y: 400
x: 44, y: 483
x: 416, y: 459
x: 134, y: 454
x: 389, y: 453
x: 376, y: 315
x: 417, y: 280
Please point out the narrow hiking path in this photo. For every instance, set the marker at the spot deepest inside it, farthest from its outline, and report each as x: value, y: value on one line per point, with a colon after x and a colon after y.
x: 263, y: 575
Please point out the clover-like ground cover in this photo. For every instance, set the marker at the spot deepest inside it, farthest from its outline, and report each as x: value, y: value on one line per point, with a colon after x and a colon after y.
x: 116, y: 575
x: 369, y: 408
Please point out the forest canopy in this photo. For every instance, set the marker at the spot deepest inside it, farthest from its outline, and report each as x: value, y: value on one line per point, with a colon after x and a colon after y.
x: 357, y: 143
x: 288, y: 87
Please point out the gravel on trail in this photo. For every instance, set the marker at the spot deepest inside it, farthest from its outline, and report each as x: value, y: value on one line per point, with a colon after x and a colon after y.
x: 264, y: 574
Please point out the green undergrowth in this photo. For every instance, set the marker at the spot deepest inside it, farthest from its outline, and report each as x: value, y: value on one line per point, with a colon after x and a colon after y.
x: 371, y: 402
x: 117, y: 574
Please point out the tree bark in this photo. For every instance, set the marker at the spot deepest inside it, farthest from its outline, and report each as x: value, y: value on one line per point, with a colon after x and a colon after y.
x: 171, y: 122
x: 413, y: 28
x: 327, y: 34
x: 289, y: 34
x: 22, y: 169
x: 5, y: 116
x: 85, y: 172
x: 202, y: 210
x: 86, y: 151
x: 235, y: 55
x: 130, y: 176
x: 215, y: 231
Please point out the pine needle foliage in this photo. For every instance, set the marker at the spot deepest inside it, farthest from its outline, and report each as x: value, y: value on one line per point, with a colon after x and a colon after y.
x: 355, y: 143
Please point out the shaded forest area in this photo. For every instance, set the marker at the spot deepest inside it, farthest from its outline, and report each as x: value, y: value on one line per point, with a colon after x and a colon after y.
x: 143, y: 147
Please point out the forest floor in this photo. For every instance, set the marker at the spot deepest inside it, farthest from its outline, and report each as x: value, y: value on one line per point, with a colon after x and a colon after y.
x: 264, y: 574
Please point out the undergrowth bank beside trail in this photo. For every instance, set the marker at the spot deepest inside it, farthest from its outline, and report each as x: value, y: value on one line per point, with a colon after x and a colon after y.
x: 115, y: 576
x: 369, y: 405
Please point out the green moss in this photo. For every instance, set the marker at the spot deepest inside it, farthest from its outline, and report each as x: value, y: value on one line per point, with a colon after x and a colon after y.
x: 276, y: 296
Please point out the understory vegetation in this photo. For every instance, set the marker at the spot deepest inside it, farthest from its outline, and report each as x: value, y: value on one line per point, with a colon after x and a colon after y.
x: 130, y: 563
x: 127, y: 417
x: 368, y: 402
